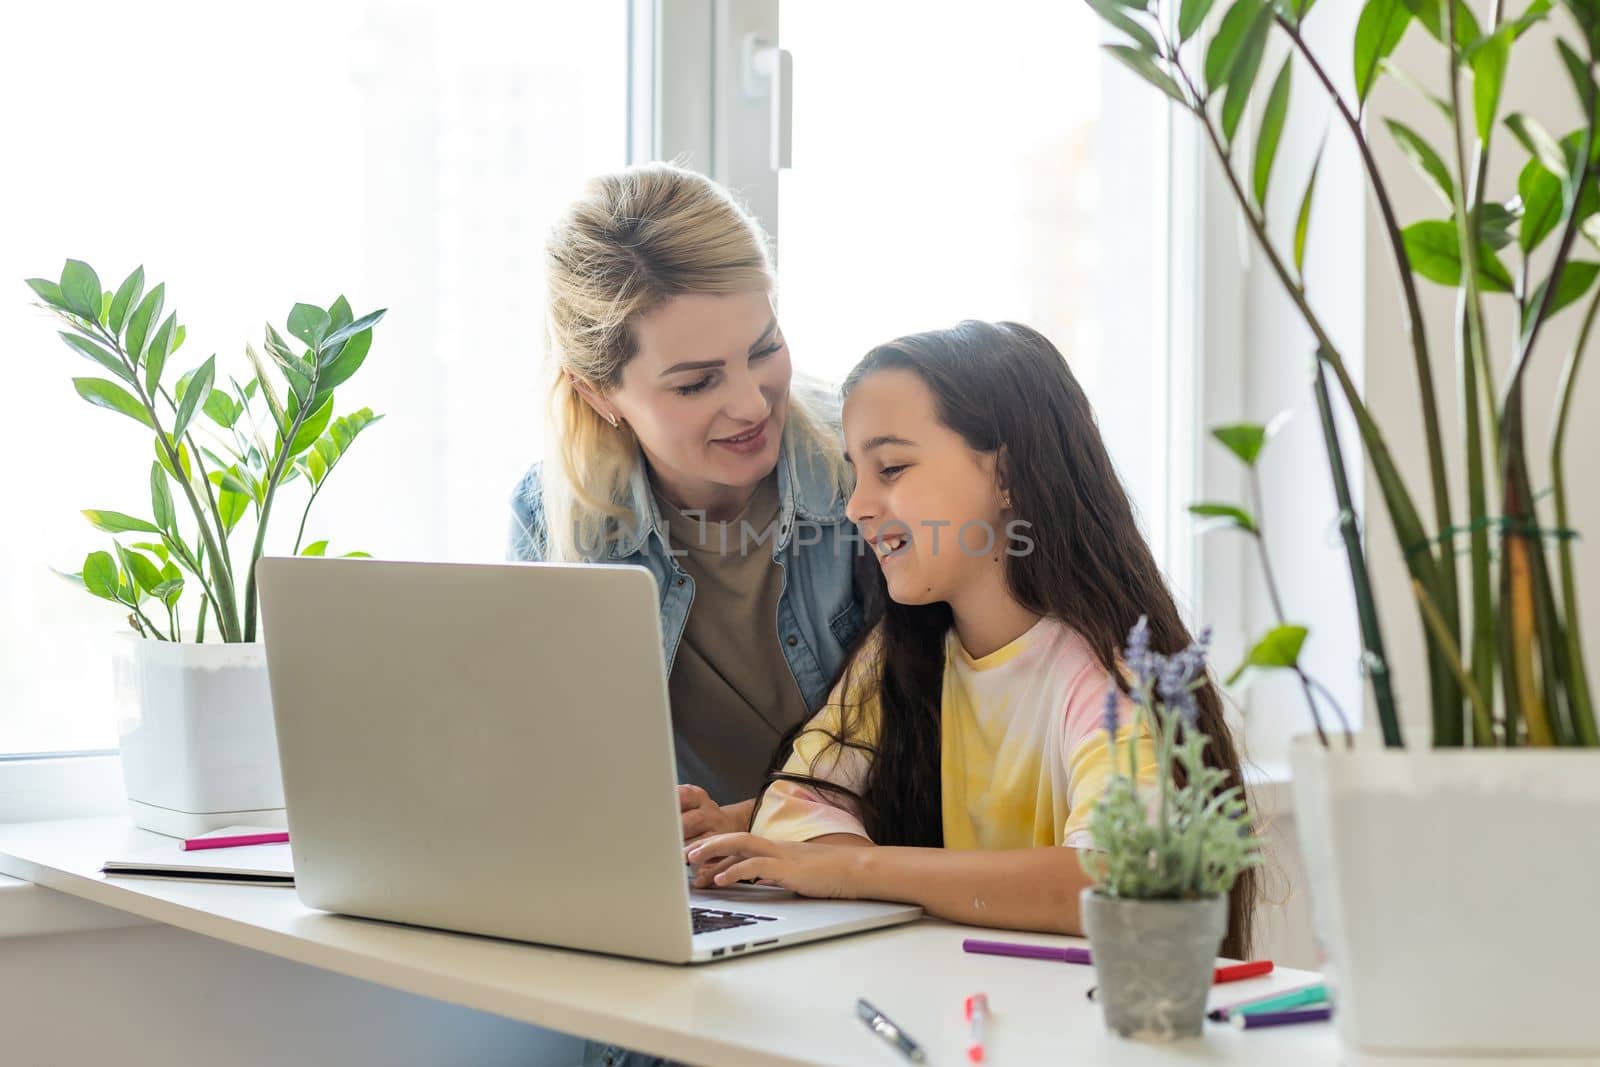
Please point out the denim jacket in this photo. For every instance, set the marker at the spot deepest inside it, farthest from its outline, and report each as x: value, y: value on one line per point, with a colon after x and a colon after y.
x: 820, y: 608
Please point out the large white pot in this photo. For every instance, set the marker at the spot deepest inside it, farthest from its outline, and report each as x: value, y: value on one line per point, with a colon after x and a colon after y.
x: 1456, y: 895
x: 199, y: 750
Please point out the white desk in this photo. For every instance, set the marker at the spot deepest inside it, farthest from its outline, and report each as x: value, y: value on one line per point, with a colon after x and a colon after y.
x: 795, y: 1006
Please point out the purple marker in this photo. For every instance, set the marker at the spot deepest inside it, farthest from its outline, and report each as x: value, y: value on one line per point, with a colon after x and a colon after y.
x: 1027, y: 952
x: 1282, y: 1018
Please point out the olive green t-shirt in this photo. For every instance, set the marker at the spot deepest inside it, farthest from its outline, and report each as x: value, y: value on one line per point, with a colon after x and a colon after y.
x: 733, y: 694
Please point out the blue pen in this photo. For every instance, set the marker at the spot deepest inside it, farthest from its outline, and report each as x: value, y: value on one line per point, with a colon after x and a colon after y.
x: 880, y: 1024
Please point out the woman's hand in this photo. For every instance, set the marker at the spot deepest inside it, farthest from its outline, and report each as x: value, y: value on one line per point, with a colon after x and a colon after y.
x: 810, y: 868
x: 703, y: 817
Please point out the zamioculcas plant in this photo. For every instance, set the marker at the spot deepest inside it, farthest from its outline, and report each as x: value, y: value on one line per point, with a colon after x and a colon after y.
x: 222, y: 450
x: 1505, y: 656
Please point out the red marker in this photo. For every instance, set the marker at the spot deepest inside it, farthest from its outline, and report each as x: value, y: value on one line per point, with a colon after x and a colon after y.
x: 196, y: 844
x: 1239, y: 971
x: 977, y: 1023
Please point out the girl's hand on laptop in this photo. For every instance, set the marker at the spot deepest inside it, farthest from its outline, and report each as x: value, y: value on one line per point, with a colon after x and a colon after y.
x: 704, y: 817
x: 810, y: 868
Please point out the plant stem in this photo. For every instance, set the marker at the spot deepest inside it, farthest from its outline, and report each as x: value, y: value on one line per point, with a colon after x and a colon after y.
x: 1377, y: 662
x: 223, y: 582
x: 1402, y: 513
x: 211, y: 496
x: 312, y: 499
x: 302, y: 411
x: 1447, y: 725
x: 1578, y: 682
x: 1439, y: 482
x: 200, y: 624
x: 1260, y: 536
x: 1483, y: 721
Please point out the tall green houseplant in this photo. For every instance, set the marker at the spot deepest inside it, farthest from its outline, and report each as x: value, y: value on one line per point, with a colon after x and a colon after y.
x: 223, y: 450
x: 1505, y: 652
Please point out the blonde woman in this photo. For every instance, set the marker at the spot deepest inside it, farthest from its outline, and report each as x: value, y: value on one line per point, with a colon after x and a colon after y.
x: 680, y: 446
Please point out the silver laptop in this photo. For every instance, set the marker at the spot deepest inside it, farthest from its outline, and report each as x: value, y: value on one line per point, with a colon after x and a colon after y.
x: 488, y: 748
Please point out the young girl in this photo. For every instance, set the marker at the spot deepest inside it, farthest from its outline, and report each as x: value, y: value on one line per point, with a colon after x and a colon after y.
x: 965, y: 734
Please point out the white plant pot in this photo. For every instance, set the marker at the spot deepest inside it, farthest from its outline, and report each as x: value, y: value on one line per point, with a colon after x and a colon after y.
x: 1456, y: 896
x: 199, y: 749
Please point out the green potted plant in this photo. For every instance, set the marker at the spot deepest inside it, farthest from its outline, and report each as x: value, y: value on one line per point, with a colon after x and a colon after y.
x: 198, y: 745
x: 1422, y: 863
x: 1164, y: 856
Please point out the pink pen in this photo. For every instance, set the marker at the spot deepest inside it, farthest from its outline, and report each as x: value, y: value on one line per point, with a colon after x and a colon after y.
x: 197, y: 844
x: 978, y: 1025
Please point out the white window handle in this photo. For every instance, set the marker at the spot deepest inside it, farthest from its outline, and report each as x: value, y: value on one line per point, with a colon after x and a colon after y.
x: 769, y: 70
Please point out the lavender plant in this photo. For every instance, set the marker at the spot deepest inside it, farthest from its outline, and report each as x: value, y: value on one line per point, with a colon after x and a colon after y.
x: 1167, y: 841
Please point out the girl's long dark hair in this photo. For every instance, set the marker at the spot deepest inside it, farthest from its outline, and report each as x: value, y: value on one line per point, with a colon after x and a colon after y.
x: 1005, y: 386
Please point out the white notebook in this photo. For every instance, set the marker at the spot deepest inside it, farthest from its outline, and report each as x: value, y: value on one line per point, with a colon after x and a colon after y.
x: 248, y: 864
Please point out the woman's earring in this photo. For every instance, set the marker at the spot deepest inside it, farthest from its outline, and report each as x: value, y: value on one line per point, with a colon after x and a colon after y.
x: 612, y: 417
x: 1005, y: 500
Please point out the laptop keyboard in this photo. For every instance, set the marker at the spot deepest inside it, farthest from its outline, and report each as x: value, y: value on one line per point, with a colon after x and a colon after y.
x: 710, y: 920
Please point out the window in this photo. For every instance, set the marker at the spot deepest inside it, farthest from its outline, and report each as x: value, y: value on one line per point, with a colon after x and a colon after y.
x: 410, y: 156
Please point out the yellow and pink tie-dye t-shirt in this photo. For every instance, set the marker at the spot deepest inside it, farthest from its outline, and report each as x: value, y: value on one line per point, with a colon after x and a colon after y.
x: 1023, y: 748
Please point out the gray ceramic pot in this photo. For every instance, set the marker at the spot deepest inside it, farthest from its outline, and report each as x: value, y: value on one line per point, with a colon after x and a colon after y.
x: 1153, y: 960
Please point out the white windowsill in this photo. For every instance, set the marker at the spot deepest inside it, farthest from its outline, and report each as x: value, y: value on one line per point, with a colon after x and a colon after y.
x: 28, y: 910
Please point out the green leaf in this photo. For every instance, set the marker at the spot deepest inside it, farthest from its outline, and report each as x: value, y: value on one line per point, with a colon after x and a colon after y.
x: 1236, y: 24
x: 127, y: 297
x: 350, y: 329
x: 1435, y: 254
x: 339, y: 312
x: 183, y: 459
x: 100, y: 575
x: 309, y: 323
x: 155, y: 358
x: 1244, y: 439
x: 80, y: 289
x: 1302, y: 222
x: 89, y: 350
x: 1540, y: 192
x: 1537, y: 140
x: 232, y: 506
x: 148, y: 311
x: 161, y: 499
x: 1230, y: 516
x: 1191, y: 16
x: 223, y: 409
x: 312, y: 428
x: 116, y: 522
x: 157, y: 550
x: 317, y: 464
x: 168, y: 591
x: 356, y: 555
x: 146, y: 575
x: 234, y: 480
x: 195, y: 395
x: 1382, y: 24
x: 1130, y: 57
x: 1279, y: 648
x: 1582, y: 76
x: 1271, y: 129
x: 112, y: 397
x: 352, y: 353
x: 1431, y: 14
x: 1242, y: 75
x: 1119, y: 17
x: 1493, y: 222
x: 48, y: 291
x: 1488, y: 75
x: 315, y: 548
x: 1426, y: 159
x: 128, y: 590
x: 1576, y: 279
